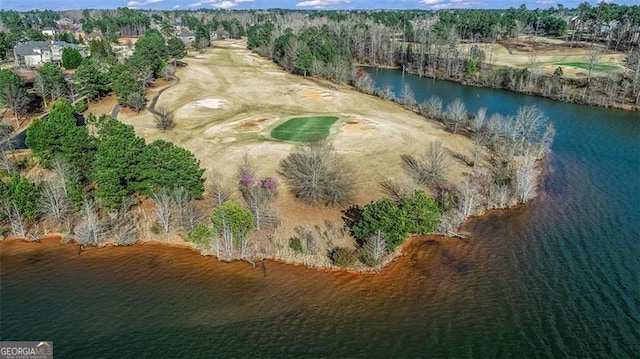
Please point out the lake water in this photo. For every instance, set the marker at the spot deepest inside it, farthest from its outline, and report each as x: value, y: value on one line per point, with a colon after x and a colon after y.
x: 559, y: 277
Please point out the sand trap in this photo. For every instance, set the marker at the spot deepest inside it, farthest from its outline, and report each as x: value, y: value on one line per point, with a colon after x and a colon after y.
x: 252, y: 125
x: 214, y: 103
x: 314, y: 95
x: 359, y: 128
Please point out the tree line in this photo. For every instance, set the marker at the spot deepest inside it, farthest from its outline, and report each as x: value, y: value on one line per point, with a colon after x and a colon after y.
x: 91, y: 174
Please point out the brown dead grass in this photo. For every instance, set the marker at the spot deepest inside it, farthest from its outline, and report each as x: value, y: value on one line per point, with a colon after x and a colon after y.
x: 102, y: 107
x: 371, y: 133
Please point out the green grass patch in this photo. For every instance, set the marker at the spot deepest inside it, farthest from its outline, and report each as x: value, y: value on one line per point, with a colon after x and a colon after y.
x: 585, y: 65
x: 302, y: 129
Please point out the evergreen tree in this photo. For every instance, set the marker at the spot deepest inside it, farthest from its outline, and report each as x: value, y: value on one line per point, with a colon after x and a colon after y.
x: 164, y: 166
x: 91, y: 78
x: 116, y: 159
x: 71, y: 58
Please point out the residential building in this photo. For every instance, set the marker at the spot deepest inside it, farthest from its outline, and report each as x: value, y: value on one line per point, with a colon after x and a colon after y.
x: 49, y: 31
x: 34, y: 53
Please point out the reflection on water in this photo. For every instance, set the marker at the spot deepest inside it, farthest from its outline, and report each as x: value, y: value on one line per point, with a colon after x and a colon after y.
x: 558, y: 277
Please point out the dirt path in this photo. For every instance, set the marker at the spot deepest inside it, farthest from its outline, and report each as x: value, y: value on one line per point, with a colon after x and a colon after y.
x: 154, y: 100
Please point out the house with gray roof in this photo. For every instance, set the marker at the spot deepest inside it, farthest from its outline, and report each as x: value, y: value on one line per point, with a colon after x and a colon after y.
x: 34, y: 53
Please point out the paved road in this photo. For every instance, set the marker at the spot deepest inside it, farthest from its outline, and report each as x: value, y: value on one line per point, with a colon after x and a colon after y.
x: 116, y: 110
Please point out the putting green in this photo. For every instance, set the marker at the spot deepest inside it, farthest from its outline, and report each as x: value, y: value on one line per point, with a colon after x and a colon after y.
x: 584, y: 65
x: 303, y: 129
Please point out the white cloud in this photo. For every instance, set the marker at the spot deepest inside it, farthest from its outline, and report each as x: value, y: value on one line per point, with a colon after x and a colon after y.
x: 175, y: 7
x: 195, y: 4
x: 430, y: 2
x: 137, y: 4
x: 321, y: 3
x: 225, y: 5
x: 456, y: 4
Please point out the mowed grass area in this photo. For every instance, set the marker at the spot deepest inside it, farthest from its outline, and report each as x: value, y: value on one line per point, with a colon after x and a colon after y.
x: 585, y: 65
x: 303, y: 129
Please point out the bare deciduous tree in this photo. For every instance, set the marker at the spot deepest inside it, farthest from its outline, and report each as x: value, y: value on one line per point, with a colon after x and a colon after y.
x: 16, y: 222
x: 41, y: 87
x: 386, y: 93
x: 187, y: 211
x: 317, y: 175
x: 164, y: 120
x: 363, y: 82
x: 527, y: 127
x: 498, y: 196
x: 525, y: 179
x: 450, y: 222
x: 123, y: 224
x: 308, y: 238
x: 163, y: 202
x: 456, y: 115
x: 55, y: 203
x: 137, y: 101
x: 220, y: 192
x: 408, y: 98
x: 427, y: 169
x: 90, y: 230
x: 395, y: 190
x: 257, y: 194
x: 480, y: 119
x: 432, y: 107
x: 376, y: 246
x: 17, y: 99
x: 145, y: 78
x: 5, y: 162
x: 469, y: 198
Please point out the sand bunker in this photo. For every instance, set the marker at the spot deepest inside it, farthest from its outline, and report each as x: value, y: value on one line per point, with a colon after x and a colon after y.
x: 314, y: 95
x: 359, y: 128
x: 214, y: 103
x: 251, y: 125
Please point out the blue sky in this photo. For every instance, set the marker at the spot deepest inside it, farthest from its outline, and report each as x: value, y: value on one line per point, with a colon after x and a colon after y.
x: 21, y: 5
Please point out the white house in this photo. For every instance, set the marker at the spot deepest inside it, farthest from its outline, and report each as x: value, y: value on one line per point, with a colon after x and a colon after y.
x: 49, y: 31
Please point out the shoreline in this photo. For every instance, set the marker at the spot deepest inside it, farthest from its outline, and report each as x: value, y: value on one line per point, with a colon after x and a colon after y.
x: 403, y: 250
x: 294, y: 258
x: 469, y: 82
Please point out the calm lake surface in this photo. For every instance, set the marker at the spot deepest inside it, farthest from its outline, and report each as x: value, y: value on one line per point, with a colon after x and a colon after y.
x: 559, y: 277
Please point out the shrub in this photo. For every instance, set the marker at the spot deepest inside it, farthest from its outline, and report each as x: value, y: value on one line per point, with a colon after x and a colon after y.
x: 296, y: 244
x: 201, y: 235
x: 81, y: 106
x: 317, y: 175
x: 384, y: 216
x: 367, y: 258
x: 155, y: 228
x: 343, y: 257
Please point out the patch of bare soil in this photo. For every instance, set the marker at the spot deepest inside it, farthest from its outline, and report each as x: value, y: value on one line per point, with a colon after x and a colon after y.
x: 103, y: 106
x: 359, y: 128
x: 251, y: 125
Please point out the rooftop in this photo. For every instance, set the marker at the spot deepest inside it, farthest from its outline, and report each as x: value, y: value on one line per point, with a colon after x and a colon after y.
x: 29, y: 47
